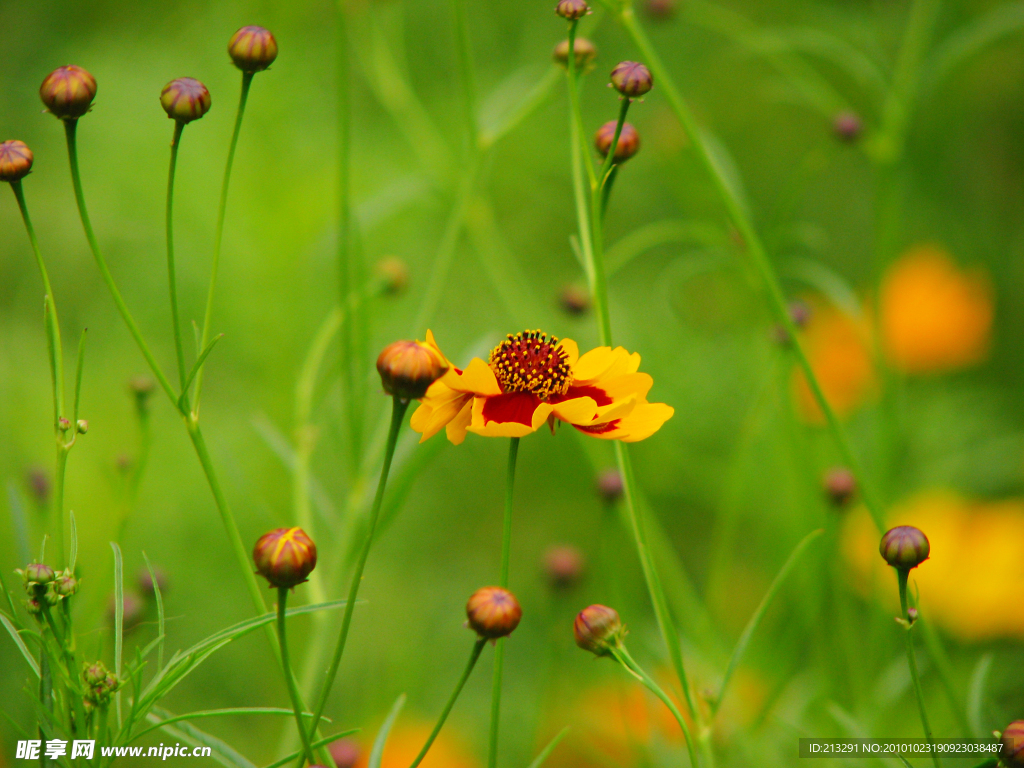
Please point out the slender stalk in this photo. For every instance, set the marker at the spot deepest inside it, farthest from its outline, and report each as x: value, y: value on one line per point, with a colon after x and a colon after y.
x: 293, y: 689
x: 398, y: 409
x: 467, y: 77
x: 172, y: 280
x: 902, y: 576
x: 219, y: 236
x: 478, y: 646
x: 623, y: 657
x: 499, y: 651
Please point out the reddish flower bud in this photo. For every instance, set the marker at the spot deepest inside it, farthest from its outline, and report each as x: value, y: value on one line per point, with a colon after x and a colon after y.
x: 394, y: 273
x: 68, y: 92
x: 345, y: 753
x: 840, y: 486
x: 493, y: 612
x: 563, y: 566
x: 574, y: 299
x: 609, y: 484
x: 15, y: 160
x: 408, y: 368
x: 598, y: 629
x: 904, y: 547
x: 66, y: 584
x: 629, y: 140
x: 37, y: 574
x: 1013, y: 744
x: 847, y: 126
x: 661, y: 9
x: 285, y: 556
x: 252, y: 48
x: 585, y: 50
x: 185, y: 99
x: 572, y: 9
x: 632, y: 79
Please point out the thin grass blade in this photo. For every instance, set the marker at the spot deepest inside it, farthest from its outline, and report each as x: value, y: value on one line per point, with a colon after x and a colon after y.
x: 546, y: 752
x: 74, y: 543
x: 118, y: 619
x: 976, y: 695
x: 160, y: 617
x: 20, y: 643
x: 377, y: 753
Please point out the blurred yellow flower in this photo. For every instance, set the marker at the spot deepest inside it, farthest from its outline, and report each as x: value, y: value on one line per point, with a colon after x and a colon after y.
x: 975, y: 574
x: 935, y: 316
x: 839, y: 351
x: 406, y: 741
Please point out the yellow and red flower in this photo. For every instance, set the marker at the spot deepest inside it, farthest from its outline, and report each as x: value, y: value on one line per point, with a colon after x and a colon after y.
x: 531, y: 379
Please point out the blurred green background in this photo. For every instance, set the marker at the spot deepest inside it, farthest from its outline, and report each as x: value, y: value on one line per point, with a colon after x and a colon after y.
x: 733, y: 480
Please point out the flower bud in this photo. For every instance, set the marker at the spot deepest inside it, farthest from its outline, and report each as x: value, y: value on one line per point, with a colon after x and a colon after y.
x: 574, y: 299
x: 185, y: 99
x: 847, y: 126
x: 408, y: 368
x: 145, y: 582
x: 68, y: 92
x: 100, y: 682
x: 598, y: 629
x: 252, y: 48
x: 285, y: 556
x: 51, y: 597
x: 394, y: 274
x: 661, y: 9
x: 563, y: 566
x: 66, y: 584
x: 33, y: 606
x: 493, y: 612
x: 629, y: 140
x: 609, y: 484
x: 585, y: 50
x: 632, y: 79
x: 94, y: 674
x: 38, y: 573
x: 141, y: 387
x: 904, y: 547
x: 572, y: 9
x: 345, y: 753
x: 82, y: 426
x: 840, y: 486
x: 39, y: 483
x: 1012, y: 740
x: 63, y: 424
x: 15, y: 160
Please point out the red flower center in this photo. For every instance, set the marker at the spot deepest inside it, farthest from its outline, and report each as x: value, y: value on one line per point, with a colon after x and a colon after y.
x: 531, y: 362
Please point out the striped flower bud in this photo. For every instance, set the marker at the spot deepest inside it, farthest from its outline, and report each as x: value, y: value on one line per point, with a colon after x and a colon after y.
x: 629, y: 141
x: 904, y: 547
x: 408, y: 368
x: 68, y: 92
x: 598, y: 629
x: 284, y: 556
x: 632, y: 79
x: 15, y: 160
x: 585, y: 50
x: 1013, y: 744
x: 185, y: 99
x: 572, y: 9
x: 493, y: 612
x: 252, y: 48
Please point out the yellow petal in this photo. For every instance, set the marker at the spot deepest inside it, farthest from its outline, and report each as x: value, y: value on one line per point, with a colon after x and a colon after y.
x: 477, y: 379
x: 456, y: 429
x: 439, y: 407
x: 579, y: 410
x: 605, y: 363
x: 643, y: 421
x: 572, y: 351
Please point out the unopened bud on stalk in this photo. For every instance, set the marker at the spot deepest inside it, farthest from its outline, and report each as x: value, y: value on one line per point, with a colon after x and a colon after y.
x: 63, y: 424
x: 609, y: 484
x: 585, y: 51
x: 408, y: 368
x: 66, y: 584
x: 1012, y: 740
x: 598, y: 629
x: 563, y: 566
x: 904, y: 547
x: 285, y: 556
x: 345, y: 753
x: 68, y: 92
x: 847, y: 126
x: 145, y: 582
x: 252, y: 48
x: 629, y: 141
x: 82, y: 426
x: 15, y: 160
x: 574, y: 299
x: 141, y: 387
x: 840, y: 486
x: 394, y: 273
x: 100, y: 682
x: 37, y: 574
x: 51, y: 596
x: 572, y: 9
x: 632, y: 79
x: 33, y: 606
x: 185, y: 99
x: 493, y: 612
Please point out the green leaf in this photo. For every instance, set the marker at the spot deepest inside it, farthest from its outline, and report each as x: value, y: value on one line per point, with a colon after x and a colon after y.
x: 220, y: 750
x: 42, y: 549
x: 970, y: 40
x: 216, y: 713
x: 79, y: 365
x: 546, y: 752
x: 976, y: 695
x: 74, y: 544
x: 314, y: 745
x: 377, y: 753
x: 649, y: 236
x: 196, y: 367
x: 160, y: 618
x: 118, y: 619
x: 20, y: 643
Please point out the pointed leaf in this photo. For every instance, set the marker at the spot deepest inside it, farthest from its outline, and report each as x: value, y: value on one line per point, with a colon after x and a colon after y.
x: 377, y: 753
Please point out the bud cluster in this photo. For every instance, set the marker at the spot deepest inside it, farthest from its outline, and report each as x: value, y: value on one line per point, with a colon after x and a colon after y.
x: 100, y: 683
x: 45, y: 587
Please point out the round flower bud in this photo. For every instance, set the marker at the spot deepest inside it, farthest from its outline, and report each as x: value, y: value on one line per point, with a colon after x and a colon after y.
x: 632, y: 79
x: 33, y: 606
x: 39, y: 483
x: 572, y: 9
x: 68, y: 92
x: 15, y: 160
x: 609, y: 484
x: 95, y: 674
x: 629, y: 140
x: 285, y: 556
x: 904, y: 547
x: 82, y: 426
x: 847, y: 126
x: 563, y: 566
x: 408, y: 368
x: 598, y: 629
x: 66, y: 584
x: 840, y: 486
x: 345, y: 753
x: 394, y: 274
x: 493, y: 612
x: 252, y: 48
x: 661, y: 9
x: 63, y: 424
x: 1013, y: 744
x: 51, y: 597
x: 38, y: 573
x: 574, y: 299
x: 585, y: 50
x: 185, y: 99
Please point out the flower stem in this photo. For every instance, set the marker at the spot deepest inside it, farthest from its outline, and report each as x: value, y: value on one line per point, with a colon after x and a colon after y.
x: 478, y: 646
x: 172, y: 280
x: 499, y: 651
x: 902, y: 576
x: 398, y: 409
x: 293, y: 690
x: 623, y: 657
x: 219, y: 236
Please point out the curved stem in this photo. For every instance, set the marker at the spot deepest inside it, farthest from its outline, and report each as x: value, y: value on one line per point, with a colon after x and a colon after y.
x: 499, y: 651
x: 171, y: 278
x: 478, y: 646
x: 902, y: 576
x: 219, y: 236
x: 398, y: 409
x: 293, y: 690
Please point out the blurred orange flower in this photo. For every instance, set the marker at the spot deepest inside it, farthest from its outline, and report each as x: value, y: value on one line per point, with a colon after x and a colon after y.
x: 975, y: 573
x: 406, y: 741
x: 935, y: 316
x: 839, y: 351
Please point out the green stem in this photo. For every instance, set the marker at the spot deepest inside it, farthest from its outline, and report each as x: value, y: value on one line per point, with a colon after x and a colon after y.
x: 623, y: 657
x: 499, y: 651
x: 172, y: 280
x: 478, y: 646
x: 902, y: 576
x: 219, y: 236
x: 398, y: 409
x: 293, y: 689
x: 467, y: 77
x: 742, y: 221
x: 70, y: 130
